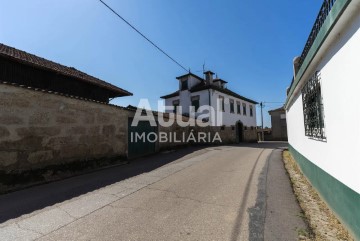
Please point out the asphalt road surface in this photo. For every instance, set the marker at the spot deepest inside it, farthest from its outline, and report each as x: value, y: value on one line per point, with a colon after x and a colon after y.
x: 209, y: 193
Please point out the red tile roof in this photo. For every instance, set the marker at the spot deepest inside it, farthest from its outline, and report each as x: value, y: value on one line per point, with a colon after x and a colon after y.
x: 30, y: 59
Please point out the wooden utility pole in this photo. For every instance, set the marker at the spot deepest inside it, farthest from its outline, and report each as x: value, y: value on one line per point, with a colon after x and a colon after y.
x: 262, y: 122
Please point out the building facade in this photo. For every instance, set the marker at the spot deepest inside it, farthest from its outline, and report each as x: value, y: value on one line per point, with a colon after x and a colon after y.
x: 322, y: 109
x: 53, y: 115
x: 195, y: 92
x: 278, y: 124
x: 21, y: 68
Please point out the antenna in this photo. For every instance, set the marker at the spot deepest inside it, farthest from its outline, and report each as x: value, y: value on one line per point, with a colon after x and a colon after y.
x: 204, y: 70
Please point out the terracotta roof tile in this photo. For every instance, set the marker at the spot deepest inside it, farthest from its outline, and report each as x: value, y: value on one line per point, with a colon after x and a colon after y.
x: 39, y: 62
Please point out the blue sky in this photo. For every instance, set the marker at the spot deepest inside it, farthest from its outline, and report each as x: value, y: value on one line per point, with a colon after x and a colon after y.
x: 249, y: 43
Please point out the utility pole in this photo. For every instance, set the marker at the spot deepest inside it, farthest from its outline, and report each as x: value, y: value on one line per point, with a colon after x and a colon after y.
x: 262, y: 121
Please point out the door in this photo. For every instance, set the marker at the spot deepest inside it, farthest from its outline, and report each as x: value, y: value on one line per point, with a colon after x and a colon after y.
x: 141, y: 139
x: 239, y: 132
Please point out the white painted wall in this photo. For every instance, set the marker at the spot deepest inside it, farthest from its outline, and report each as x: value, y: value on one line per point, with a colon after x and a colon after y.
x: 225, y: 118
x: 222, y: 118
x: 338, y: 62
x: 228, y: 118
x: 185, y: 99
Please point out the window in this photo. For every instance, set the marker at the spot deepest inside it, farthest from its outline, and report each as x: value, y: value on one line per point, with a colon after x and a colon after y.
x: 244, y: 109
x: 238, y: 107
x: 251, y: 110
x: 175, y: 104
x: 313, y: 108
x: 222, y: 103
x: 195, y: 101
x: 231, y: 106
x: 184, y: 84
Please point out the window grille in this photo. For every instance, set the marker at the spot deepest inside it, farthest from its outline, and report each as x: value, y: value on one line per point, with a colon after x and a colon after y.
x: 313, y: 108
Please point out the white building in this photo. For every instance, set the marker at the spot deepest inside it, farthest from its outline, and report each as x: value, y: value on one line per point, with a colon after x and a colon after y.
x: 323, y: 112
x: 229, y: 107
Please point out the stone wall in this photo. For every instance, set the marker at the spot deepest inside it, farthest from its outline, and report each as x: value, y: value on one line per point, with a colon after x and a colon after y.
x: 38, y: 129
x: 278, y: 126
x: 250, y: 135
x: 227, y: 135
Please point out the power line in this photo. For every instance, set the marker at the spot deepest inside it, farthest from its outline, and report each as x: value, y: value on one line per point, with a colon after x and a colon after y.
x: 274, y: 102
x: 162, y: 51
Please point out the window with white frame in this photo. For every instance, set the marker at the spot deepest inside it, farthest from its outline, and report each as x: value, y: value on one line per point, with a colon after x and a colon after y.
x: 238, y: 107
x: 232, y: 106
x: 195, y: 102
x: 221, y: 103
x: 176, y: 104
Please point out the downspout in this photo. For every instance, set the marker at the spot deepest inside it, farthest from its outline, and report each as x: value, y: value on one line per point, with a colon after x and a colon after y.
x: 210, y: 106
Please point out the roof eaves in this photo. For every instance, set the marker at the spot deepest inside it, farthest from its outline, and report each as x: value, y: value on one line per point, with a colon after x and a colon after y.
x: 221, y: 80
x: 39, y: 62
x: 170, y: 95
x: 191, y: 74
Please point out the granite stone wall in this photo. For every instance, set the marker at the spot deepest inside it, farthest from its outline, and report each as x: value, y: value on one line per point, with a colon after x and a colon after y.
x: 38, y: 128
x: 250, y: 135
x: 226, y: 134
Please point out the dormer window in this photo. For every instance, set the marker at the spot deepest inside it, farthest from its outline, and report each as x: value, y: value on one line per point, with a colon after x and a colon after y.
x: 221, y: 83
x: 184, y: 84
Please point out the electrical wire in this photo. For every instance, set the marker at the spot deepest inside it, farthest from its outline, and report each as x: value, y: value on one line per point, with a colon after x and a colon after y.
x: 136, y: 30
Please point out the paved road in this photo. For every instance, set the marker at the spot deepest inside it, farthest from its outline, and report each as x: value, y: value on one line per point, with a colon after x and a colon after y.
x: 215, y: 193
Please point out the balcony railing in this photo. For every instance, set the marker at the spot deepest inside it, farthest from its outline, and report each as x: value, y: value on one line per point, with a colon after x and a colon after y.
x: 324, y: 12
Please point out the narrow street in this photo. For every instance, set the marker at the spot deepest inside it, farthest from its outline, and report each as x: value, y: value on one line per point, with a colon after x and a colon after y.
x: 209, y: 193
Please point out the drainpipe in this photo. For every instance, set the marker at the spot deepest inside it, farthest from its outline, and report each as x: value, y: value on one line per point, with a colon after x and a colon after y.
x: 209, y: 105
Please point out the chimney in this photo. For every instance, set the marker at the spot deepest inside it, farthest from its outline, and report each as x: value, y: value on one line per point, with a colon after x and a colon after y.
x: 209, y: 77
x: 296, y: 65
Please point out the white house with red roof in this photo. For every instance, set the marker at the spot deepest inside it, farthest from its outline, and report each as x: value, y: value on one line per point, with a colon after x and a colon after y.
x: 229, y: 107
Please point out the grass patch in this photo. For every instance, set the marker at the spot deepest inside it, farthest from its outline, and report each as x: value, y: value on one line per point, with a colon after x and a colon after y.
x: 322, y: 221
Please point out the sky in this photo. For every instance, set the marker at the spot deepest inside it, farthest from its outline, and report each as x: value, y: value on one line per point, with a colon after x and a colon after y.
x: 250, y: 44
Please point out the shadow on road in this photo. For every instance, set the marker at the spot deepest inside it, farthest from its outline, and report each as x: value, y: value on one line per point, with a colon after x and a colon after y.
x: 13, y: 205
